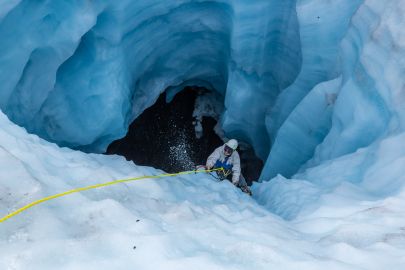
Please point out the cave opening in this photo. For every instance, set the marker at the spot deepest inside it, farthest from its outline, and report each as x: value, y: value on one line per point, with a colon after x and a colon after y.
x: 177, y: 133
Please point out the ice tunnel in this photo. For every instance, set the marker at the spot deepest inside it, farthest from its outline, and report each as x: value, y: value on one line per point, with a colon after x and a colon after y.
x: 179, y: 132
x: 82, y: 73
x: 176, y: 133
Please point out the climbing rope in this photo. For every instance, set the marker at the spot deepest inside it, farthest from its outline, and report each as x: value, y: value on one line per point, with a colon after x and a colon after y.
x: 22, y: 209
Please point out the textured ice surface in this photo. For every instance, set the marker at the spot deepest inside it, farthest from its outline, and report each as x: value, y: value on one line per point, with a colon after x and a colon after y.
x: 189, y: 222
x: 342, y: 133
x: 322, y: 82
x: 79, y: 72
x: 293, y: 74
x: 207, y: 105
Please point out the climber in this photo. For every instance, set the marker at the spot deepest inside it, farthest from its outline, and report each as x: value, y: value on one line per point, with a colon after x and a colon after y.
x: 227, y: 157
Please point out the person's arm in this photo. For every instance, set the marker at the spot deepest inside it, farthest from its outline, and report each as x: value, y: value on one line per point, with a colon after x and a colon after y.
x: 236, y: 169
x: 213, y: 158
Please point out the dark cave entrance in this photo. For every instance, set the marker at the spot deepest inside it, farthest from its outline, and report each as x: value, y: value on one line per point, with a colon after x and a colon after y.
x: 171, y: 137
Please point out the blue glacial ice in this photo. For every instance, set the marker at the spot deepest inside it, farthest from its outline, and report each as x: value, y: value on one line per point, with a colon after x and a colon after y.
x: 316, y: 87
x: 79, y: 73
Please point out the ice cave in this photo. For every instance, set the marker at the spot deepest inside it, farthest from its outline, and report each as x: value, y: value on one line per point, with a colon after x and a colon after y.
x: 97, y: 91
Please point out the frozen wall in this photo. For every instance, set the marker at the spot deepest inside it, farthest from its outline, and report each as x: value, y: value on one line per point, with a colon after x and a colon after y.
x: 309, y: 80
x: 322, y: 81
x: 348, y: 93
x: 79, y: 72
x: 345, y: 137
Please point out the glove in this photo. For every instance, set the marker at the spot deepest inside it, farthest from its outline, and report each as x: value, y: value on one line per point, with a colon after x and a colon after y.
x: 200, y: 167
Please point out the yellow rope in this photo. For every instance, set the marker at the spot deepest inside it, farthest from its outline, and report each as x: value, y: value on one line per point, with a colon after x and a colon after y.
x: 16, y: 212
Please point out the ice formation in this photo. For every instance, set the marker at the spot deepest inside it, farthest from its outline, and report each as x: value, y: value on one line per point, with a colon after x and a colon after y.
x: 316, y: 87
x: 208, y: 105
x: 80, y: 72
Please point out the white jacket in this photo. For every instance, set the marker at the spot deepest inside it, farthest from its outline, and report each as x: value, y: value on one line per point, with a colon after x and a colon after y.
x: 234, y: 160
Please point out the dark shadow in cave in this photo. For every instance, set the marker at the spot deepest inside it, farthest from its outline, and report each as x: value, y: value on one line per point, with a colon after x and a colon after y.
x: 163, y: 136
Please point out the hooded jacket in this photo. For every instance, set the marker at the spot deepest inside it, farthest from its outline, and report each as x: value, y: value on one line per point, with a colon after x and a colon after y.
x: 233, y: 160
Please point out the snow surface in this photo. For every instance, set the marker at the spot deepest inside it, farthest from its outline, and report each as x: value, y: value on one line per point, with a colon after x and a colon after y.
x: 189, y: 222
x: 320, y: 81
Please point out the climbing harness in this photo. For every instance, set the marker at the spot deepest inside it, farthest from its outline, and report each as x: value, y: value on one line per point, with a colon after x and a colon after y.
x: 226, y: 168
x: 22, y: 209
x: 219, y: 173
x: 223, y: 174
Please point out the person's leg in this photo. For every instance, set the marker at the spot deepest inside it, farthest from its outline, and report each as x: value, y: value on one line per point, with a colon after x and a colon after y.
x: 243, y: 185
x: 242, y: 181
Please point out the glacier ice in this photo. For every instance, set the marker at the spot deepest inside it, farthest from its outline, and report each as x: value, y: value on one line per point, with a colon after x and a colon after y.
x: 316, y: 87
x: 83, y: 86
x: 104, y: 72
x: 332, y: 135
x: 189, y: 221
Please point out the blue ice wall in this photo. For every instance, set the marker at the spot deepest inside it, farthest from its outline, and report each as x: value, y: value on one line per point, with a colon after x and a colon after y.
x: 304, y: 81
x: 301, y: 116
x: 342, y: 99
x: 79, y: 72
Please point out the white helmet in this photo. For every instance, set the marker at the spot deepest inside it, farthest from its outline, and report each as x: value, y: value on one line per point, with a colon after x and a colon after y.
x: 233, y: 144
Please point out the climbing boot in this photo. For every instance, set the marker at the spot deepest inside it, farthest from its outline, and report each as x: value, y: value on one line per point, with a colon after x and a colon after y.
x: 247, y: 190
